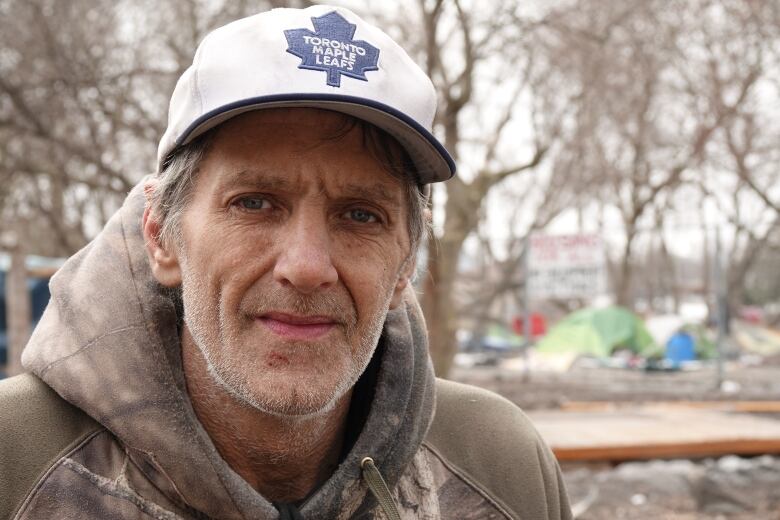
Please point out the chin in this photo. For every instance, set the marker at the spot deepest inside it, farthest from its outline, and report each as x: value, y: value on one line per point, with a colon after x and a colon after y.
x: 297, y: 401
x: 282, y: 395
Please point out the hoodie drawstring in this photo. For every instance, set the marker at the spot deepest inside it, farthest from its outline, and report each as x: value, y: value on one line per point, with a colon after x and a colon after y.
x: 379, y: 489
x: 288, y: 511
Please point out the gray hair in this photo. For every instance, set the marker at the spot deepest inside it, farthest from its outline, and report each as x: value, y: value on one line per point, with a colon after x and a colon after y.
x: 177, y: 179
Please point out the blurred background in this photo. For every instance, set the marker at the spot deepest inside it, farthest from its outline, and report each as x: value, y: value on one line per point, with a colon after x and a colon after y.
x: 608, y: 256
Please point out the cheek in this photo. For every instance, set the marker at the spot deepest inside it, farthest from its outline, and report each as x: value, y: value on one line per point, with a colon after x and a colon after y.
x: 226, y: 264
x: 370, y: 280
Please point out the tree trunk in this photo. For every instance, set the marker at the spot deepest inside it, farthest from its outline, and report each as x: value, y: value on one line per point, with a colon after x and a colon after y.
x: 706, y: 267
x: 438, y: 302
x: 623, y: 288
x: 670, y: 270
x: 19, y: 311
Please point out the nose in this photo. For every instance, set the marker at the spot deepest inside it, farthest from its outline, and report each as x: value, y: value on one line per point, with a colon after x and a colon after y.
x: 305, y: 261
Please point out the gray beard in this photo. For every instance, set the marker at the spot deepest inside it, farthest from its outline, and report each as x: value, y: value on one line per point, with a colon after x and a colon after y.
x: 307, y: 401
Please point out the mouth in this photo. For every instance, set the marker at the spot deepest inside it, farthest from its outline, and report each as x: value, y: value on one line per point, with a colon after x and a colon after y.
x: 297, y: 327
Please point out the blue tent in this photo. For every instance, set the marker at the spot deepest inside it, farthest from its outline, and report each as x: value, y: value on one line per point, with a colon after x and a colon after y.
x: 39, y: 298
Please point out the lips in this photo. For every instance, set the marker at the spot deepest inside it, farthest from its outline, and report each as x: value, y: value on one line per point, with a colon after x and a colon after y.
x: 297, y: 327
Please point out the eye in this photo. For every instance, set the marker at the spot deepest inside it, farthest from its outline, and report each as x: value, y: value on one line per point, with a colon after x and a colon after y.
x: 361, y: 215
x: 252, y: 203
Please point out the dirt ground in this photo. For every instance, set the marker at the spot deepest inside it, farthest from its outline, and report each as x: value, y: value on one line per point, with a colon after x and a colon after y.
x: 724, y: 489
x: 550, y: 390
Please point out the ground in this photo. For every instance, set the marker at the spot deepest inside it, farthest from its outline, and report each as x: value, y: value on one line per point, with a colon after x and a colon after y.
x: 728, y: 487
x: 546, y: 390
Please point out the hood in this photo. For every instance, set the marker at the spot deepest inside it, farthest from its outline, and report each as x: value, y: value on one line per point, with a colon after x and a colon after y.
x: 108, y: 343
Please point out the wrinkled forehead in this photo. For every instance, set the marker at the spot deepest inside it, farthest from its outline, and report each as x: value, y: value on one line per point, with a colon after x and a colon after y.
x: 304, y: 133
x: 283, y: 148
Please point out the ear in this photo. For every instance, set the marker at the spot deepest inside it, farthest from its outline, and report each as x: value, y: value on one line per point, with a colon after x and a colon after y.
x: 403, y: 281
x: 162, y: 257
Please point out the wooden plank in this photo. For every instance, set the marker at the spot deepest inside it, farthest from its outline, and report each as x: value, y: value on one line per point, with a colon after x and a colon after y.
x: 725, y: 406
x: 655, y: 431
x: 666, y: 451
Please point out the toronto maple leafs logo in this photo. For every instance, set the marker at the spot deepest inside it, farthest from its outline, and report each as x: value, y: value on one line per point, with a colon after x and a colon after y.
x: 330, y: 48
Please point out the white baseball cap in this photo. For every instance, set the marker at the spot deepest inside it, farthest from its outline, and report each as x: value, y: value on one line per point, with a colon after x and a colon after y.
x: 324, y: 57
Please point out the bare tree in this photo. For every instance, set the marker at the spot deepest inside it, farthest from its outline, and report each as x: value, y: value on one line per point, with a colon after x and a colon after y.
x: 480, y: 62
x: 740, y: 42
x: 660, y: 84
x: 84, y: 88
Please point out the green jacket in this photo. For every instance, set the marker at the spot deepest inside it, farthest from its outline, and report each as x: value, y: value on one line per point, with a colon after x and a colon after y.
x: 103, y: 426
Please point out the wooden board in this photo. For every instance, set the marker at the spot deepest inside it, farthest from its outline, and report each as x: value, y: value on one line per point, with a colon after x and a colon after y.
x: 724, y: 406
x: 655, y: 431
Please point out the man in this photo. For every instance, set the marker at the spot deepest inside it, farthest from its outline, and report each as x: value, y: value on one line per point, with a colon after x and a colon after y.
x: 241, y: 340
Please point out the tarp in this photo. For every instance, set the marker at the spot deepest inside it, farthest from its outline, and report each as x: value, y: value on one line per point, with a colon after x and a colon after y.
x: 664, y: 326
x: 599, y: 332
x: 538, y: 325
x: 501, y: 338
x: 756, y: 339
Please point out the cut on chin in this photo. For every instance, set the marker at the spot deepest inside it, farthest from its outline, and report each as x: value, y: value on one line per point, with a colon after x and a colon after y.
x: 266, y: 350
x: 280, y: 371
x: 297, y: 360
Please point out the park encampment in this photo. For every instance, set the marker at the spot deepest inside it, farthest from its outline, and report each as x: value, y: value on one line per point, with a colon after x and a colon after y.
x: 599, y: 333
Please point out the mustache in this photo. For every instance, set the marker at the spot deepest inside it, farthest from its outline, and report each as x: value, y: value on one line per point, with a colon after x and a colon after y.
x: 337, y: 306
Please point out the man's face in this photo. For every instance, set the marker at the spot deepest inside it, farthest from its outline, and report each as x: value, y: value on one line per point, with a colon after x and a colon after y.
x: 292, y: 249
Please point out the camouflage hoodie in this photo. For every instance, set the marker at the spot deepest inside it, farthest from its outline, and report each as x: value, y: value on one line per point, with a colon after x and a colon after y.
x: 108, y: 343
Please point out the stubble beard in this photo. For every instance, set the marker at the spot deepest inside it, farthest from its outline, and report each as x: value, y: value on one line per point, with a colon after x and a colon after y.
x: 238, y: 377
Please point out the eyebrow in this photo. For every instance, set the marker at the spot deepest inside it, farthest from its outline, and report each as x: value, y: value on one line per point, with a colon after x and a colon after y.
x: 265, y: 181
x: 376, y: 192
x: 257, y: 179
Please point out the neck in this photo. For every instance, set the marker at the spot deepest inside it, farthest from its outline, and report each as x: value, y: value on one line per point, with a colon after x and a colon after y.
x: 283, y: 458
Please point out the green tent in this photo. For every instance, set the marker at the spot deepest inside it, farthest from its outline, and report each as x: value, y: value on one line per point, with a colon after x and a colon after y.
x: 599, y: 332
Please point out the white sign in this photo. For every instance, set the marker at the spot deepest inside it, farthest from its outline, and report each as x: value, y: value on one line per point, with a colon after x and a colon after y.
x: 566, y: 266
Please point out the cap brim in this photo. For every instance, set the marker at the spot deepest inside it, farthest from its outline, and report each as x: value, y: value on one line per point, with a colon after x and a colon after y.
x: 433, y: 162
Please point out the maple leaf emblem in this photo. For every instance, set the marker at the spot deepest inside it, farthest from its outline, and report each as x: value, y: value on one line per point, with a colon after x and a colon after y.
x: 330, y: 48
